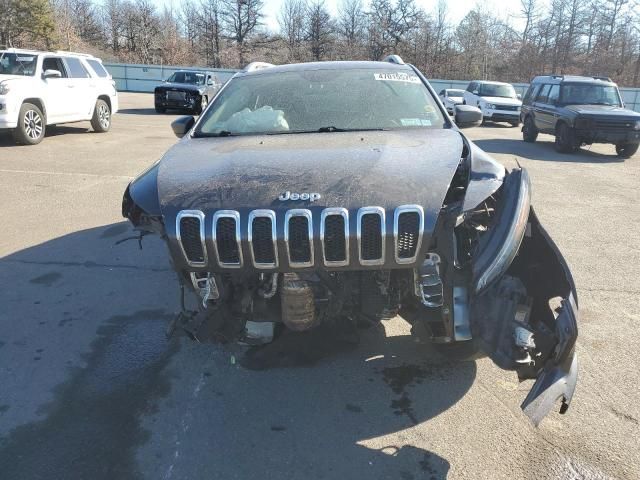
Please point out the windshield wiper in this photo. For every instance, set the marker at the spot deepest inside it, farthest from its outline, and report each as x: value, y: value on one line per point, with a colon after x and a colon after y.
x: 337, y: 129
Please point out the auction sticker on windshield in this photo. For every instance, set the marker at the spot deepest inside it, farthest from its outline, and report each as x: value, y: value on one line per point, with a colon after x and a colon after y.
x: 397, y: 77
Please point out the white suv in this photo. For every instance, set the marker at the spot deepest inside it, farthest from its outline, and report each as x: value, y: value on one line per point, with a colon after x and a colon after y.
x: 498, y: 101
x: 46, y: 88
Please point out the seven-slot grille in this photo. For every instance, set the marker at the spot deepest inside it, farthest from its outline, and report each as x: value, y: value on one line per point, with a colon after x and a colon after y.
x: 613, y: 124
x: 408, y: 225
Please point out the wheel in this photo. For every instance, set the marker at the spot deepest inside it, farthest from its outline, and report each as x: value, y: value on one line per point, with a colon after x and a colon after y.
x: 203, y: 104
x: 31, y: 125
x: 529, y: 130
x: 459, y: 351
x: 160, y: 109
x: 626, y: 150
x: 565, y: 139
x: 101, y: 120
x: 515, y: 124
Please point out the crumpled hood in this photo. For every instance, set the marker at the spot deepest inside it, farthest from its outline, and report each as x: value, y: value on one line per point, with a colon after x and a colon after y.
x: 599, y: 110
x: 348, y: 169
x: 180, y: 86
x: 502, y: 100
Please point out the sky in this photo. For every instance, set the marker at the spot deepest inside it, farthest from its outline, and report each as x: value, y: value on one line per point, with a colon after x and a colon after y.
x: 457, y: 9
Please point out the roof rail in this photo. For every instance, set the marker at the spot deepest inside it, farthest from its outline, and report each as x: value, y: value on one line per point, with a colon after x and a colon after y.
x: 253, y: 66
x: 604, y: 79
x: 64, y: 52
x: 397, y: 59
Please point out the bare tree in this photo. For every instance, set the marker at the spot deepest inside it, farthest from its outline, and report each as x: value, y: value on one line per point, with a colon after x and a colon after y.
x: 291, y: 19
x: 241, y: 18
x: 351, y: 24
x: 318, y: 30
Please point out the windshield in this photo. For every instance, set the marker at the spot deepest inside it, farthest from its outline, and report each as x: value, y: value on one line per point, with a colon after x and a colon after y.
x: 18, y: 64
x: 492, y: 90
x: 193, y: 78
x: 455, y: 93
x: 589, y: 94
x: 322, y: 101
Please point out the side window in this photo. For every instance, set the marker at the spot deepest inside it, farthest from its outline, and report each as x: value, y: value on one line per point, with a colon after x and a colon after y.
x: 554, y: 94
x: 98, y: 68
x: 543, y: 96
x: 442, y: 93
x: 54, y: 63
x: 531, y: 93
x: 76, y: 69
x: 471, y: 87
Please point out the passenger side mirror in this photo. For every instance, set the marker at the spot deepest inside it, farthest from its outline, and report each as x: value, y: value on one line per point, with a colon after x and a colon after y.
x: 52, y: 74
x: 210, y: 82
x: 467, y: 116
x: 475, y: 92
x: 519, y: 97
x: 182, y: 125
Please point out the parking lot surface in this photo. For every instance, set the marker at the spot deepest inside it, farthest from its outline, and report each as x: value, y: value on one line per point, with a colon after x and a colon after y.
x: 91, y: 388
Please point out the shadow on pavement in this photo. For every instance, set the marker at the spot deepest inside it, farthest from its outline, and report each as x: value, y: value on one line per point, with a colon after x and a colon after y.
x: 6, y: 139
x: 544, y: 151
x: 138, y: 111
x: 131, y: 407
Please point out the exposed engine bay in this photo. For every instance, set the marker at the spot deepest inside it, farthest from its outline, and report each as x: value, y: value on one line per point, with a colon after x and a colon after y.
x: 482, y: 270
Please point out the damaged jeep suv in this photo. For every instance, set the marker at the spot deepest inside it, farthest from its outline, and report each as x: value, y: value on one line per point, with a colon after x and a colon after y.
x: 342, y: 193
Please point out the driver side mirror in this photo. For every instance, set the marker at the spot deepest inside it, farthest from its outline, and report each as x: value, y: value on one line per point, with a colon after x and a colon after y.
x: 50, y: 73
x: 518, y: 96
x: 182, y: 125
x: 467, y: 116
x: 475, y: 92
x: 210, y: 82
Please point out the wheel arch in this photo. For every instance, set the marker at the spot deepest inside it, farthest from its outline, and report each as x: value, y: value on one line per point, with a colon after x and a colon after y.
x: 38, y: 102
x: 106, y: 99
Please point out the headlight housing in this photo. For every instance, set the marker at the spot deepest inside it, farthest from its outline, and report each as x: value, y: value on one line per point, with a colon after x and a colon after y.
x: 489, y: 105
x: 505, y: 237
x: 4, y: 88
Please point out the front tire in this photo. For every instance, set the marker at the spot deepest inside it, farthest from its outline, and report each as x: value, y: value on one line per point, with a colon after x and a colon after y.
x: 204, y: 101
x: 31, y: 125
x: 565, y: 139
x: 101, y: 120
x: 626, y: 150
x: 529, y: 130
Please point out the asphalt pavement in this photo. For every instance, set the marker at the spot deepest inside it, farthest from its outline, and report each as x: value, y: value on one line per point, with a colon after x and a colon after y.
x: 90, y: 387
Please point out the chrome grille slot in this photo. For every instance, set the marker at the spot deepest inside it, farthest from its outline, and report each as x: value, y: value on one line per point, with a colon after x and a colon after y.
x: 298, y: 236
x: 262, y: 238
x: 371, y: 235
x: 190, y: 235
x: 408, y: 224
x: 334, y: 235
x: 226, y: 238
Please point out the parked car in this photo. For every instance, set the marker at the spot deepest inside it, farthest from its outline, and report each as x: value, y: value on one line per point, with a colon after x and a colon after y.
x: 451, y: 97
x: 341, y: 193
x: 186, y: 90
x: 579, y: 111
x: 46, y: 88
x: 498, y: 101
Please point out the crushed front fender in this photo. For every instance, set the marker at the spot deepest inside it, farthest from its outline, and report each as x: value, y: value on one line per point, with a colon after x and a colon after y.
x: 526, y: 319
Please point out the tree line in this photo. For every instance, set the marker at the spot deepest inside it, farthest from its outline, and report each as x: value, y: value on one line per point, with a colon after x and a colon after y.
x: 594, y: 37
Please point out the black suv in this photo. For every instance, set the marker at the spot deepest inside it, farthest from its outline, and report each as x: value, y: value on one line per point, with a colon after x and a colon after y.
x: 579, y: 111
x: 186, y: 90
x: 334, y: 195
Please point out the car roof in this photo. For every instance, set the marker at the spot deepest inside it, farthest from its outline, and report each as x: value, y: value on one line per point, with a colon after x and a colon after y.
x: 557, y: 79
x: 334, y: 65
x: 44, y: 52
x: 490, y: 82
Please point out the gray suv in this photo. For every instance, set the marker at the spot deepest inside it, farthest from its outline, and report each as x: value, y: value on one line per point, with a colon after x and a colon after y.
x: 579, y: 111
